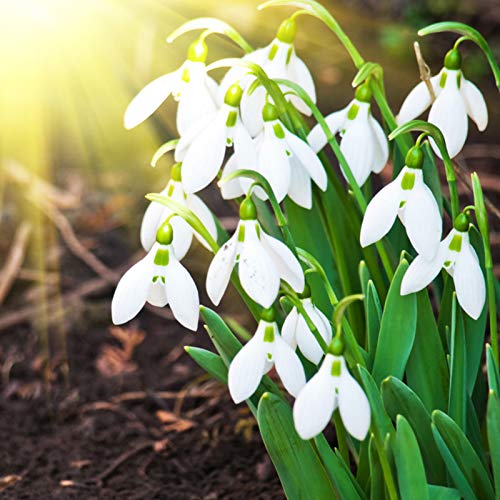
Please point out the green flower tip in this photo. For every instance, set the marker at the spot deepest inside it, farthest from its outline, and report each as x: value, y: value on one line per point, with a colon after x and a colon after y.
x: 233, y: 95
x: 165, y: 234
x: 306, y: 293
x: 287, y: 31
x: 269, y: 112
x: 198, y: 51
x: 453, y: 59
x: 248, y: 210
x: 268, y: 315
x: 414, y: 157
x: 363, y: 93
x: 462, y: 222
x: 175, y: 173
x: 336, y: 346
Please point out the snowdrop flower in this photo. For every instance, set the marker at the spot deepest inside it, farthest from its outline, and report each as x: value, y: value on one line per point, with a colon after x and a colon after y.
x: 456, y: 97
x: 363, y: 141
x: 160, y: 279
x: 156, y: 213
x: 458, y: 257
x: 262, y: 262
x: 296, y: 332
x: 286, y: 161
x: 203, y: 154
x: 332, y: 387
x: 408, y: 197
x: 265, y: 350
x: 279, y: 61
x: 190, y: 85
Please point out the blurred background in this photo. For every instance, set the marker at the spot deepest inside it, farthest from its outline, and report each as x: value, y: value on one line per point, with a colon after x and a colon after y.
x: 72, y: 186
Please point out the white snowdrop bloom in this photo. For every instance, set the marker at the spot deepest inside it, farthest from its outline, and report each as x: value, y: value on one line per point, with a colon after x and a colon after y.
x: 156, y: 214
x: 160, y: 279
x: 332, y: 387
x: 286, y: 161
x: 458, y: 257
x: 262, y: 262
x: 263, y: 351
x: 190, y: 85
x: 408, y: 197
x: 202, y: 150
x: 363, y: 142
x: 456, y: 97
x: 279, y: 61
x: 296, y: 332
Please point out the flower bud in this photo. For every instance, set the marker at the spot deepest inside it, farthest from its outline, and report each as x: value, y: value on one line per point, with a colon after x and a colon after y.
x: 269, y: 112
x: 363, y: 93
x: 198, y: 51
x: 268, y: 315
x: 414, y: 157
x: 453, y: 59
x: 165, y: 234
x: 287, y: 31
x: 233, y: 95
x: 175, y: 173
x: 248, y: 210
x: 336, y: 346
x: 462, y: 222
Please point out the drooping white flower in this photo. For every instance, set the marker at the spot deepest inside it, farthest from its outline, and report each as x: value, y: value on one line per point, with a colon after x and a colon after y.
x: 363, y: 141
x: 160, y: 279
x: 458, y: 257
x: 263, y: 351
x: 332, y: 387
x: 295, y: 331
x: 202, y: 150
x: 286, y: 161
x: 279, y: 61
x: 189, y: 84
x: 156, y: 213
x: 262, y: 262
x: 408, y: 197
x: 456, y: 97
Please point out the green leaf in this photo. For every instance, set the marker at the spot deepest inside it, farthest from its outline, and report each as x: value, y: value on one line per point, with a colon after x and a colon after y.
x: 343, y: 481
x: 492, y: 369
x: 397, y: 330
x: 209, y: 361
x: 409, y: 464
x: 493, y: 428
x: 377, y: 487
x: 458, y: 366
x: 399, y: 399
x: 443, y: 493
x: 299, y: 467
x: 373, y: 311
x: 464, y: 466
x: 427, y: 369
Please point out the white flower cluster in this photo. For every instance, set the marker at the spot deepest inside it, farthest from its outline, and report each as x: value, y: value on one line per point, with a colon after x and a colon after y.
x: 241, y: 117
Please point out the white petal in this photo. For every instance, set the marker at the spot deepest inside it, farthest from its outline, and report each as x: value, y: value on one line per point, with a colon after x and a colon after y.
x: 381, y: 151
x: 231, y: 189
x: 299, y: 73
x: 257, y: 273
x: 315, y: 403
x: 475, y: 103
x: 353, y: 406
x: 204, y: 157
x: 246, y: 370
x: 423, y: 221
x: 158, y: 294
x: 132, y: 291
x: 448, y: 113
x: 417, y: 101
x: 422, y: 272
x: 469, y: 281
x: 154, y: 215
x: 285, y: 262
x: 381, y: 213
x: 251, y: 110
x: 317, y: 138
x: 300, y: 189
x: 182, y: 294
x: 289, y: 328
x: 274, y: 164
x: 190, y: 135
x: 198, y: 207
x: 358, y: 147
x: 219, y: 271
x: 149, y: 99
x: 306, y: 156
x: 288, y: 366
x: 195, y: 102
x: 244, y: 148
x: 183, y: 236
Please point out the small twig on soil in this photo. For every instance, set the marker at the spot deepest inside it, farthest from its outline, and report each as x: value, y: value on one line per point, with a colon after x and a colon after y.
x: 141, y: 395
x: 425, y: 71
x: 15, y: 259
